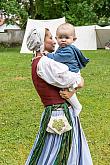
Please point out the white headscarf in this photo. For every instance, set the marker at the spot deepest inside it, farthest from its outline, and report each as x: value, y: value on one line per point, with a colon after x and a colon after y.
x: 35, y: 39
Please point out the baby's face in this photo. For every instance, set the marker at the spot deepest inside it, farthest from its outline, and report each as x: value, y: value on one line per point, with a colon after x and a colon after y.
x: 64, y: 38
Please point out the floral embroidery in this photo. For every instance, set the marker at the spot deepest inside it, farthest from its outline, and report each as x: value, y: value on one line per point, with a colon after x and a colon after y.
x: 58, y: 124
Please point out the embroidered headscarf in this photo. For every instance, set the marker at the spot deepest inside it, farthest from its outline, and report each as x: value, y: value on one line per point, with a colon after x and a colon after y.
x: 35, y: 39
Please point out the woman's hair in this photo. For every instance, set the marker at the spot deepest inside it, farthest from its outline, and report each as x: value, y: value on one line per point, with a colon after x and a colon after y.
x: 46, y: 33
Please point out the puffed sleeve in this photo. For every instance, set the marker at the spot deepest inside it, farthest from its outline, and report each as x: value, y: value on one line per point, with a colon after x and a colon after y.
x: 55, y: 73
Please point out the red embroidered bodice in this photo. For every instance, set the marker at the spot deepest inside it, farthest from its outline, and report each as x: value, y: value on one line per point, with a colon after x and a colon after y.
x: 49, y: 94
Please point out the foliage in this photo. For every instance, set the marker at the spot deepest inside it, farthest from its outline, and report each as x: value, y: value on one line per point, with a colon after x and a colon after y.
x: 14, y: 12
x: 50, y: 9
x: 77, y: 12
x: 102, y: 10
x: 21, y: 108
x: 101, y: 7
x: 81, y: 14
x: 104, y: 21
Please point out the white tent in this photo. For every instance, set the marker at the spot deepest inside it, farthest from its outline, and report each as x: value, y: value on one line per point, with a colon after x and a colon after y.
x: 102, y: 36
x: 92, y: 37
x: 88, y: 37
x: 50, y: 24
x: 8, y: 27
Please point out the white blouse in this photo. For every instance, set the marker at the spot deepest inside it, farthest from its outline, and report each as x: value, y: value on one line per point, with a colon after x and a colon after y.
x: 56, y: 73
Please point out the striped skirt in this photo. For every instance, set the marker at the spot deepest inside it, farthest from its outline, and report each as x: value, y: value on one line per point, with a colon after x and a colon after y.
x: 79, y: 153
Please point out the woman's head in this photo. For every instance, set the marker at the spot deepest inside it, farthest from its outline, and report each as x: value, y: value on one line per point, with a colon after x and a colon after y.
x: 40, y: 39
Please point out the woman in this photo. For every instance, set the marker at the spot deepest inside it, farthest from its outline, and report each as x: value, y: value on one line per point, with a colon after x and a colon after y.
x: 50, y: 148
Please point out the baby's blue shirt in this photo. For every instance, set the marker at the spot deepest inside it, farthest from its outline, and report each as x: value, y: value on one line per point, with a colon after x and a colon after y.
x: 71, y: 56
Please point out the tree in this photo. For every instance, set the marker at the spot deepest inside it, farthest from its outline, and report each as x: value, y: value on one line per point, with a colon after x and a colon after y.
x: 50, y: 9
x: 102, y: 10
x: 14, y: 12
x: 77, y: 12
x: 80, y: 13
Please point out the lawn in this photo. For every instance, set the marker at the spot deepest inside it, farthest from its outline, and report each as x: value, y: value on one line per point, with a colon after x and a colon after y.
x: 21, y: 108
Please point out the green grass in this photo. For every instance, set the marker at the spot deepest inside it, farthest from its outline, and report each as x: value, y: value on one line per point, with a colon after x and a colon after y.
x: 21, y: 107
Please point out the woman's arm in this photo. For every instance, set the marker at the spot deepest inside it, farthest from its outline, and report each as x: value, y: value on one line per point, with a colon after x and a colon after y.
x: 56, y: 73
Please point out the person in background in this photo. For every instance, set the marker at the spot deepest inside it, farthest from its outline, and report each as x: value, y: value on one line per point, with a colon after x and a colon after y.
x: 50, y: 148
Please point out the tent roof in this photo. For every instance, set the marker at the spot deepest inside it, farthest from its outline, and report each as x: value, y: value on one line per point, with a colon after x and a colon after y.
x: 102, y: 28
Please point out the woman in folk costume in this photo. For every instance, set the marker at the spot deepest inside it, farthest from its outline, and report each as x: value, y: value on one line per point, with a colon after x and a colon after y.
x: 60, y: 140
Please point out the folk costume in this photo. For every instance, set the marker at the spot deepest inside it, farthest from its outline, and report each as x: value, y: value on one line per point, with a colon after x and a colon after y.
x: 70, y: 147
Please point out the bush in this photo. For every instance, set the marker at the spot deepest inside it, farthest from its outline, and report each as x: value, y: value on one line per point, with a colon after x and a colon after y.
x: 9, y: 45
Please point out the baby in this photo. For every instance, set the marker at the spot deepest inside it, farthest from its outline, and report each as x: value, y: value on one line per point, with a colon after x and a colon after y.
x: 68, y: 54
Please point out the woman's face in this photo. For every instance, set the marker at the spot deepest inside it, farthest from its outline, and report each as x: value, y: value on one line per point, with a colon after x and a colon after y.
x: 49, y: 43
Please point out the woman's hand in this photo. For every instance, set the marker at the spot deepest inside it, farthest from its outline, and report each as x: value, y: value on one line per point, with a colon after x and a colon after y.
x: 65, y: 94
